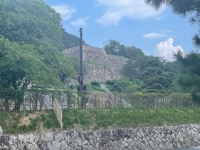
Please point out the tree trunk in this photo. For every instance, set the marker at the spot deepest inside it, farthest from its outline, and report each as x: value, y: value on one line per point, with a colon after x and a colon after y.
x: 19, y: 101
x: 6, y: 105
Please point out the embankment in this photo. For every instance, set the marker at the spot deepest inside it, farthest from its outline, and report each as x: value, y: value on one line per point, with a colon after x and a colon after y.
x: 144, y: 138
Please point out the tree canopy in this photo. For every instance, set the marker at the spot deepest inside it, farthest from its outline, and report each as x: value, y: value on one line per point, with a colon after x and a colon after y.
x: 183, y: 8
x: 20, y: 65
x: 31, y: 44
x: 189, y: 72
x: 142, y: 73
x: 156, y: 74
x: 114, y: 47
x: 30, y: 22
x: 35, y: 27
x: 70, y: 40
x: 189, y: 66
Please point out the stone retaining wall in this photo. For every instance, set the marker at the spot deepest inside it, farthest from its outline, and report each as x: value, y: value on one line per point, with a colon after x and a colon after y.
x: 100, y: 66
x: 146, y: 138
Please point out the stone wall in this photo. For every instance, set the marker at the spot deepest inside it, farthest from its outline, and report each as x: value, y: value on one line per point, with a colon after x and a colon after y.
x: 100, y: 66
x: 146, y: 138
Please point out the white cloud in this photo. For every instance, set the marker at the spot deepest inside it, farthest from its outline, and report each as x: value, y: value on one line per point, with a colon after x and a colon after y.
x: 81, y: 22
x: 166, y: 49
x: 109, y: 18
x: 119, y: 9
x: 65, y: 11
x: 154, y: 35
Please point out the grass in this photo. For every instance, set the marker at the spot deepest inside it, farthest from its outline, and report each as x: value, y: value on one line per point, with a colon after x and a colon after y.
x: 127, y: 117
x: 13, y: 122
x: 97, y: 118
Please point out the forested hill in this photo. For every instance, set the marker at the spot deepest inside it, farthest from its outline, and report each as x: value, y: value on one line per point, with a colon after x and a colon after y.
x: 32, y: 40
x: 31, y: 44
x: 70, y: 40
x: 142, y: 73
x: 28, y: 21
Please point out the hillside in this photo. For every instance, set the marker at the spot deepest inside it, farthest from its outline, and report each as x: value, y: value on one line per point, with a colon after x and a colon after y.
x: 100, y: 66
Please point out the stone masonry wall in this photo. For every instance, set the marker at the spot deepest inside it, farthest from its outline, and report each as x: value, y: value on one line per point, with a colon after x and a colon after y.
x: 146, y: 138
x: 100, y: 66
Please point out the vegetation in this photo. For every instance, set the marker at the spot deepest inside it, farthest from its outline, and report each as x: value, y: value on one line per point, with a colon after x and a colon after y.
x: 124, y: 86
x: 12, y: 122
x: 31, y: 44
x: 98, y: 118
x: 154, y: 75
x: 189, y: 72
x: 184, y: 8
x: 114, y: 47
x: 95, y: 86
x: 70, y: 40
x: 143, y: 73
x: 188, y: 66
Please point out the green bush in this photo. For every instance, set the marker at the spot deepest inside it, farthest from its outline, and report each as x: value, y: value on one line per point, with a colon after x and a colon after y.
x: 95, y: 86
x: 110, y: 82
x: 196, y: 96
x: 95, y: 83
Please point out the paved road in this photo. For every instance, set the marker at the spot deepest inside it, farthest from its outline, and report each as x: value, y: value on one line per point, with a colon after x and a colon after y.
x: 192, y: 148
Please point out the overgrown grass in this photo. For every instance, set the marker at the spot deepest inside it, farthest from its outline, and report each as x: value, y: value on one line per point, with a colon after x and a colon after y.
x: 127, y: 117
x: 95, y: 86
x: 98, y: 118
x: 13, y: 122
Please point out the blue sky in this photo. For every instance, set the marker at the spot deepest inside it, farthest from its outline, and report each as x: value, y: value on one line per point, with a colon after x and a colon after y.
x: 131, y: 22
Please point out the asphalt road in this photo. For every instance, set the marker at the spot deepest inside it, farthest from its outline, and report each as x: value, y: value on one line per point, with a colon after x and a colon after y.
x: 192, y: 148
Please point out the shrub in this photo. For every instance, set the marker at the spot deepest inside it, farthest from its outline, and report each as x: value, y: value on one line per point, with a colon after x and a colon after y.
x: 95, y: 83
x: 196, y: 96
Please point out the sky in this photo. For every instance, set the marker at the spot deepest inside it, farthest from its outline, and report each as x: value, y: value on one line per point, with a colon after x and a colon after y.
x: 131, y: 22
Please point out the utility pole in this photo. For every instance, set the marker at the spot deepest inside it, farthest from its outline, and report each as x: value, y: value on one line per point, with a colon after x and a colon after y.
x: 82, y: 87
x: 81, y: 60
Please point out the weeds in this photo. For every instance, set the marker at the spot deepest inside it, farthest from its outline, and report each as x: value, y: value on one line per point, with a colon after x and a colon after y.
x: 98, y: 118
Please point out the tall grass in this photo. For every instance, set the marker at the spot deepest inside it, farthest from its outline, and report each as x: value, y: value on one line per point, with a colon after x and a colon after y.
x: 127, y: 117
x: 100, y: 118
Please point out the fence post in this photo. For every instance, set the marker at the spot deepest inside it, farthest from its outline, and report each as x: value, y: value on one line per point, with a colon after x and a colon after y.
x: 58, y: 111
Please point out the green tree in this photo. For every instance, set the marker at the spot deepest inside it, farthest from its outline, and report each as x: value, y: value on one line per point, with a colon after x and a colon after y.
x: 183, y: 8
x: 33, y: 22
x: 189, y: 73
x: 114, y: 47
x: 30, y: 21
x: 134, y: 67
x: 70, y: 40
x: 156, y: 74
x: 31, y: 47
x: 124, y: 86
x: 20, y: 65
x: 189, y: 76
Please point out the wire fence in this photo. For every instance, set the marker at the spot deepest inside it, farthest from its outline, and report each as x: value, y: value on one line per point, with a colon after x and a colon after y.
x: 152, y: 101
x: 43, y: 100
x: 31, y: 100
